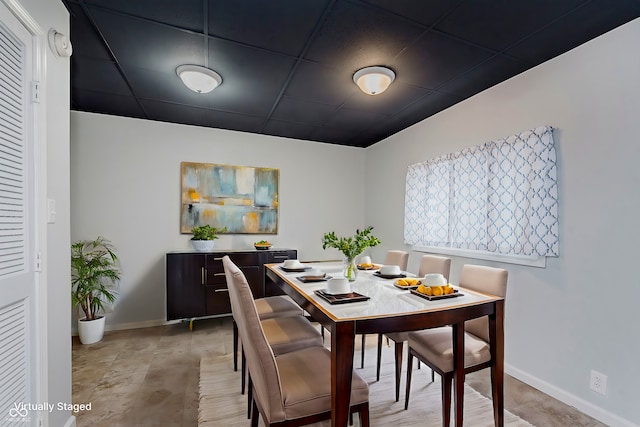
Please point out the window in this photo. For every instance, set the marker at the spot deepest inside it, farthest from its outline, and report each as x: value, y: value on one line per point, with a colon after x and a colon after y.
x: 500, y: 197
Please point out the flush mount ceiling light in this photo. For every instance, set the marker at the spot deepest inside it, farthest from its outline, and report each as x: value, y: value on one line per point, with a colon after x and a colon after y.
x: 199, y: 79
x: 374, y: 80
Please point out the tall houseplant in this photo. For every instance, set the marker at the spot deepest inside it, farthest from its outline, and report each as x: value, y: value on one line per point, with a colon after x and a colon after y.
x: 204, y: 236
x: 95, y: 273
x: 350, y: 247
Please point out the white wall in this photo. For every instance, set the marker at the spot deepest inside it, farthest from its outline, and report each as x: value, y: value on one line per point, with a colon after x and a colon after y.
x: 580, y: 312
x: 55, y: 95
x: 125, y: 183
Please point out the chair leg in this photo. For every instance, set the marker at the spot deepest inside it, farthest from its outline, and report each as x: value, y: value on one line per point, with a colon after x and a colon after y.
x: 379, y: 357
x: 235, y: 346
x: 447, y: 379
x: 399, y: 346
x: 409, y: 371
x: 362, y: 352
x: 244, y: 371
x: 364, y: 414
x: 249, y: 397
x: 255, y: 414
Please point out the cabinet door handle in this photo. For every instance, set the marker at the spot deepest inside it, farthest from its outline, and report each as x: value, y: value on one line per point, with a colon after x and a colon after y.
x: 221, y: 290
x: 280, y: 257
x: 202, y: 276
x: 218, y: 274
x: 217, y: 259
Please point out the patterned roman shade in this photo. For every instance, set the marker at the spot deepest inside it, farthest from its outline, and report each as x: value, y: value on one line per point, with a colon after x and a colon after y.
x: 499, y: 197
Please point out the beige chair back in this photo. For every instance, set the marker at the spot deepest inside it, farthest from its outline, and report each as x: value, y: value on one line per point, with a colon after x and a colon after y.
x: 434, y: 264
x: 488, y: 280
x: 260, y: 359
x: 400, y: 258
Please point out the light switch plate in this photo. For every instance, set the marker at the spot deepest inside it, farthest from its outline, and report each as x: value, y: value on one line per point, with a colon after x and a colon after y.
x: 51, y: 211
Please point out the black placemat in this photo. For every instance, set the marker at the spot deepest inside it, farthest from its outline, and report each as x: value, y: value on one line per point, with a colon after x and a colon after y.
x: 340, y: 298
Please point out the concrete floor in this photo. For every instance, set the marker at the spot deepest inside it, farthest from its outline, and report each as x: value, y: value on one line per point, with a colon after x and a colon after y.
x: 149, y: 377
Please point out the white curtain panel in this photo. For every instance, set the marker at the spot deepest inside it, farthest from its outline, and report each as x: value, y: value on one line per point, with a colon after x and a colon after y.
x: 498, y: 197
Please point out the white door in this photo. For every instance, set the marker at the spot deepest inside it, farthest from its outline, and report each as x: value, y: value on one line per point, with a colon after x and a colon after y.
x: 18, y: 276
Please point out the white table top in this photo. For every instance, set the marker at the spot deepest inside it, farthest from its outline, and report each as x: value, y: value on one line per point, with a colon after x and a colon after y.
x: 386, y: 300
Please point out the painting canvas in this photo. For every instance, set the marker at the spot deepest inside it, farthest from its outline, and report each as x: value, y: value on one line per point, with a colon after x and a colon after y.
x: 242, y: 198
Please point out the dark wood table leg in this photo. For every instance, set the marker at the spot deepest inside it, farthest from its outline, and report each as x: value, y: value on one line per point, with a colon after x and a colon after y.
x: 458, y: 370
x: 496, y: 337
x: 342, y: 347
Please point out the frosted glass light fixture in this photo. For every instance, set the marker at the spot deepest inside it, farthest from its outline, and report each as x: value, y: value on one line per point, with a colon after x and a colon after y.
x: 374, y: 80
x: 199, y: 79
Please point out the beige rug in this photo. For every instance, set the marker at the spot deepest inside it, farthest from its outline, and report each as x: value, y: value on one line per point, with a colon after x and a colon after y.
x: 221, y: 403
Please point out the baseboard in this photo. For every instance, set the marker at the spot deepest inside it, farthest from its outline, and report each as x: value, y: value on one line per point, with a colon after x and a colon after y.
x: 132, y: 325
x: 137, y: 325
x: 582, y: 405
x: 71, y: 422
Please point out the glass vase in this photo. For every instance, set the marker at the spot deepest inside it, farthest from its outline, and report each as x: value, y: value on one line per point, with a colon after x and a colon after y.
x: 350, y: 269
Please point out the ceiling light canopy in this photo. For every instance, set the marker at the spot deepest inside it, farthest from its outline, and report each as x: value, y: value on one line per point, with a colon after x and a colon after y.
x: 374, y: 80
x: 199, y: 79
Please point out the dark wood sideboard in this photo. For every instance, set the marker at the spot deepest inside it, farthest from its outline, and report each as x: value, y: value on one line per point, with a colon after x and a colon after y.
x: 196, y: 285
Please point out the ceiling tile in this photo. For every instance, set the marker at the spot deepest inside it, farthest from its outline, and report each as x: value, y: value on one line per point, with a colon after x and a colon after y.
x: 288, y: 129
x: 297, y: 110
x: 224, y: 120
x: 91, y: 45
x: 425, y: 12
x: 357, y: 36
x: 489, y: 73
x: 498, y: 24
x: 252, y: 79
x: 594, y: 18
x: 164, y: 86
x: 276, y: 25
x: 320, y: 83
x: 98, y: 75
x: 172, y: 113
x: 97, y: 102
x: 354, y: 120
x: 184, y: 13
x: 436, y: 59
x: 150, y: 46
x: 389, y: 102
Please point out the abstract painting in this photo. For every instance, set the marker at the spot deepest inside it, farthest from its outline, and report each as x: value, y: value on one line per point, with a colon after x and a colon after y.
x: 242, y: 198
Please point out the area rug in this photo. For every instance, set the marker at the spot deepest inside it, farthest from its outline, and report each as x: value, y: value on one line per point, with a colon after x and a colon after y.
x: 221, y: 403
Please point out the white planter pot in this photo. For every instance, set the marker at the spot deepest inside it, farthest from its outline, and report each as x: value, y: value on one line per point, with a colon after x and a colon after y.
x: 91, y: 331
x: 202, y: 245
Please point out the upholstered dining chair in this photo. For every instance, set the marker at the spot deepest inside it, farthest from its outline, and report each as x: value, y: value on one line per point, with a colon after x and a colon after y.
x: 434, y: 347
x: 393, y: 257
x: 268, y: 308
x: 290, y: 389
x: 428, y: 264
x: 283, y: 334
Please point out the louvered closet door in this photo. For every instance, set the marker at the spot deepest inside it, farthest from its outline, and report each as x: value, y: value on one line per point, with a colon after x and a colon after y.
x: 17, y: 275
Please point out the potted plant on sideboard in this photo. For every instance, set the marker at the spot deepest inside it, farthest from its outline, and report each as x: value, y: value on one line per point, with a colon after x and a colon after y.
x: 95, y: 273
x: 204, y: 237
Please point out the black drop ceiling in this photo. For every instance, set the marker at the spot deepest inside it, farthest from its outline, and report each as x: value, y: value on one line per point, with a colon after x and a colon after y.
x: 287, y: 65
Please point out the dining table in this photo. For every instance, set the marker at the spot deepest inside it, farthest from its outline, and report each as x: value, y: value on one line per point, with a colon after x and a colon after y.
x: 383, y: 307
